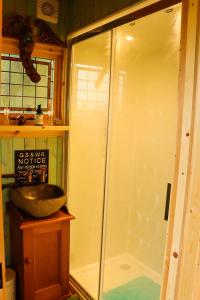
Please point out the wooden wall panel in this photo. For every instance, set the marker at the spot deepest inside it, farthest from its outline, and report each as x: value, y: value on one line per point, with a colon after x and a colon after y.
x: 22, y: 7
x: 73, y: 14
x: 89, y: 11
x: 59, y: 161
x: 52, y: 144
x: 8, y: 8
x: 29, y: 144
x: 28, y: 8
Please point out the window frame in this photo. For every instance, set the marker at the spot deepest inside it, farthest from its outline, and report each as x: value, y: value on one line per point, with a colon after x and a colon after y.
x: 45, y: 51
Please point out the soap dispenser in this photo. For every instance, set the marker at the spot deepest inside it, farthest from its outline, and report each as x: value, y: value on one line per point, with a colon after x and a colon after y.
x: 39, y: 116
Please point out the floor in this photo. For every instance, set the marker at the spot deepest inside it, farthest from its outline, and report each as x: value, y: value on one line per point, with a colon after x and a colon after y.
x: 118, y: 271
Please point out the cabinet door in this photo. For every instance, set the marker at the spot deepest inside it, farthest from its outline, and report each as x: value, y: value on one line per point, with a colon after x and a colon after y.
x: 46, y: 251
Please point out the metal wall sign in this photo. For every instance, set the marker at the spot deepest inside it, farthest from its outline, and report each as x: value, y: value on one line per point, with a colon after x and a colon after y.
x: 31, y: 166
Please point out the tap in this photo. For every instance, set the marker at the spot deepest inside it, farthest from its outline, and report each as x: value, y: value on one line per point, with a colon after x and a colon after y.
x: 30, y: 176
x: 42, y: 176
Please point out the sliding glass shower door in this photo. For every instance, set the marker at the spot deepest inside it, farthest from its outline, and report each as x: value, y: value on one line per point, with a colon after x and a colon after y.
x: 141, y: 154
x: 122, y: 154
x: 87, y: 156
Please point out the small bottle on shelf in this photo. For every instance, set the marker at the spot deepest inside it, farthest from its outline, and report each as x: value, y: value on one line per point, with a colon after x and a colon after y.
x: 6, y: 116
x: 39, y: 116
x: 50, y: 114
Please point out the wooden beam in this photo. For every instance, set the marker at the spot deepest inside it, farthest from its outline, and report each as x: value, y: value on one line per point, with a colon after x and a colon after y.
x: 11, y: 45
x: 32, y: 131
x: 188, y: 275
x: 2, y: 250
x: 174, y: 287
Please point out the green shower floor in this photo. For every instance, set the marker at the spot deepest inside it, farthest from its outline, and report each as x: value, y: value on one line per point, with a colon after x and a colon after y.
x: 141, y: 288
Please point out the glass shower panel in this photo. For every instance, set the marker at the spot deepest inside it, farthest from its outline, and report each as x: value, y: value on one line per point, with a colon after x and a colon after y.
x: 142, y: 142
x: 87, y: 149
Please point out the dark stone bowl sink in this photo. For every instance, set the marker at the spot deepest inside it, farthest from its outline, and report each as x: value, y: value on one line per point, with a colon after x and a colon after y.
x: 38, y: 200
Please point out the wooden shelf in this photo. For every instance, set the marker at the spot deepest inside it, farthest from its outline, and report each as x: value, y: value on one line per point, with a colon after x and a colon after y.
x: 32, y: 131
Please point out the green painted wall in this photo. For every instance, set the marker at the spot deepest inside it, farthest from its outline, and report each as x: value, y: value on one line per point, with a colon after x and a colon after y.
x: 73, y: 14
x: 28, y: 8
x: 7, y: 148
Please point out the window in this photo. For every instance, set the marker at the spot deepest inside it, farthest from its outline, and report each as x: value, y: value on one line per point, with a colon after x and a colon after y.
x: 92, y: 88
x: 18, y: 92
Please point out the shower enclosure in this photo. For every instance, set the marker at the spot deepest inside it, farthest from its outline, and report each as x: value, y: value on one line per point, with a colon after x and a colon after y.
x: 123, y: 118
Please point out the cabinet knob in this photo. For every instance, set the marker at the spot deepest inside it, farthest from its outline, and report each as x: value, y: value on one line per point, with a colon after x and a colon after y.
x: 27, y: 261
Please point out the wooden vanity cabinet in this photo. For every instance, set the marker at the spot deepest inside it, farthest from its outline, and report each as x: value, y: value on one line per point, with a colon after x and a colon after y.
x: 40, y: 255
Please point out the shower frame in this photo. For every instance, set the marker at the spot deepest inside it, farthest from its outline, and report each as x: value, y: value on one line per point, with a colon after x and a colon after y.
x: 174, y: 275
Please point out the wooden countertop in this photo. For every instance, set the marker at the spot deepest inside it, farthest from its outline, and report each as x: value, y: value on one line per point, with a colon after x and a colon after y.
x: 25, y: 221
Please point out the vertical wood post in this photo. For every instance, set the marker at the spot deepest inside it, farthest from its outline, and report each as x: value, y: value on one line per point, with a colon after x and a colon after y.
x: 2, y: 252
x: 182, y: 253
x: 188, y: 273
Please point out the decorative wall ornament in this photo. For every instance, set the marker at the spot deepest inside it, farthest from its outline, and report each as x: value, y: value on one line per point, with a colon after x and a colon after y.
x: 29, y: 31
x: 26, y: 45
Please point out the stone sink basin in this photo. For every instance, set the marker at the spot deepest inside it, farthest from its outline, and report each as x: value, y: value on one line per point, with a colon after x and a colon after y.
x: 38, y: 200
